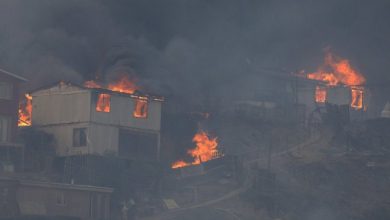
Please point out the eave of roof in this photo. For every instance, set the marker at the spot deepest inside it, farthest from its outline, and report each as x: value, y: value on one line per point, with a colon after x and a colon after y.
x: 13, y: 75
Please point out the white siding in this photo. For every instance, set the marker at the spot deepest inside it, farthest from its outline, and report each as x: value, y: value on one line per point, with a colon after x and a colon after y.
x: 60, y: 109
x: 103, y: 139
x: 50, y: 109
x: 121, y: 114
x: 64, y: 138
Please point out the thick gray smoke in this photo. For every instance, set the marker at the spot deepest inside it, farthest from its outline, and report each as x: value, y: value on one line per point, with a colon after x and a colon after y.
x: 189, y: 48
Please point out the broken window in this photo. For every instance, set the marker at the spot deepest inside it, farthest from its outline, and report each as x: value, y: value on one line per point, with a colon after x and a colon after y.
x: 79, y: 137
x: 140, y: 108
x: 6, y: 90
x: 103, y: 103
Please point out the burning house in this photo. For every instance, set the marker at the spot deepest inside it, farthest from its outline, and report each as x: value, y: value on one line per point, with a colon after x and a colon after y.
x: 337, y: 83
x: 95, y: 120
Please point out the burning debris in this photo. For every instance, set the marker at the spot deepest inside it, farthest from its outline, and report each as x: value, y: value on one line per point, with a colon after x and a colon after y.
x: 25, y: 111
x: 123, y: 85
x: 338, y: 71
x: 206, y: 149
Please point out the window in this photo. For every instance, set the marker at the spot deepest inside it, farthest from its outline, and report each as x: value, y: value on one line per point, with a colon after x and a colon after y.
x: 6, y: 90
x: 4, y: 128
x: 357, y: 97
x: 321, y: 94
x: 103, y: 103
x: 79, y: 137
x: 140, y: 108
x: 60, y: 200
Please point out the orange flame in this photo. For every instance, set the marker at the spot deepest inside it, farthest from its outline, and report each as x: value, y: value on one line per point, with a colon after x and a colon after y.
x: 25, y: 111
x: 124, y: 85
x: 206, y: 149
x: 357, y: 97
x: 336, y: 71
x: 103, y: 103
x: 141, y: 108
x: 321, y: 94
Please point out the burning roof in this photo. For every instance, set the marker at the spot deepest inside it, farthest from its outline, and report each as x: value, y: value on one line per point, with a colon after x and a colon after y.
x: 337, y: 71
x: 124, y: 86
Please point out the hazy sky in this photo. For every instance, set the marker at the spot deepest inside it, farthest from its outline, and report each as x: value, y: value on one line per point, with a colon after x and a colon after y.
x: 176, y: 45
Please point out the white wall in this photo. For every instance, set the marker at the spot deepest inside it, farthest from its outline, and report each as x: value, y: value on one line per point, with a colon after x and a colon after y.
x: 121, y: 114
x: 60, y: 109
x: 103, y: 139
x: 64, y: 138
x: 49, y: 109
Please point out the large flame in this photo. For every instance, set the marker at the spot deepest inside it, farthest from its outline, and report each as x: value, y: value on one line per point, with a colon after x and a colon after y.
x: 338, y: 71
x: 141, y: 108
x: 124, y: 85
x: 25, y: 111
x: 206, y: 149
x: 103, y: 103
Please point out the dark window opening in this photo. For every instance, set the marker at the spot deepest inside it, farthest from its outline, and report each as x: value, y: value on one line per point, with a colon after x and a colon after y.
x: 79, y: 137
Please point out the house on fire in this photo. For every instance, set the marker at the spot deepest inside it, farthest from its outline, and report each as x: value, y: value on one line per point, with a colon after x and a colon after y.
x: 95, y: 121
x: 279, y: 96
x: 10, y: 150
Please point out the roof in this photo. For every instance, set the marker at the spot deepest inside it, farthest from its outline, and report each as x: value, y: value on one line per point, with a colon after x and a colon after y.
x: 54, y: 185
x: 68, y: 85
x: 13, y: 75
x: 66, y: 186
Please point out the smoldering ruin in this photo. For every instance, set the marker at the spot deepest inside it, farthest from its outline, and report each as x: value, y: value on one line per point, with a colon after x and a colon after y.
x: 183, y: 109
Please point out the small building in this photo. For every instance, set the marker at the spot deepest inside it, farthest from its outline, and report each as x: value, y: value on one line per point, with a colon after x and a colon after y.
x: 20, y: 198
x: 9, y: 102
x: 94, y: 121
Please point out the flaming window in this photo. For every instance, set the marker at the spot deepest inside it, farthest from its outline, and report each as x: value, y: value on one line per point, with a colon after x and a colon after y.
x: 320, y: 94
x: 357, y: 97
x: 103, y: 103
x: 140, y: 108
x: 25, y: 111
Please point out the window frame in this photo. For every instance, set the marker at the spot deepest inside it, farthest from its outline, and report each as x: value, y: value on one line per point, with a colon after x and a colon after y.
x: 136, y: 101
x: 106, y: 98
